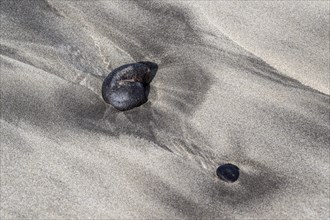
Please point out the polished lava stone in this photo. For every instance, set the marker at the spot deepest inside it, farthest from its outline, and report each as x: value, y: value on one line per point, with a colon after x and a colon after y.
x: 228, y: 172
x: 127, y: 86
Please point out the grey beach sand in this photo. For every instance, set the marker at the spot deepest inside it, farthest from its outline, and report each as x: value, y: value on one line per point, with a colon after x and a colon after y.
x: 245, y: 83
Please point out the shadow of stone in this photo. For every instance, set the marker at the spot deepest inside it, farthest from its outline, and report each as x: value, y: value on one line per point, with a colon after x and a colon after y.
x: 252, y: 186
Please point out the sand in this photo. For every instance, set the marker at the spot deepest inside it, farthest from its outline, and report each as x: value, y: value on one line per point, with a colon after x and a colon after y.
x: 242, y: 83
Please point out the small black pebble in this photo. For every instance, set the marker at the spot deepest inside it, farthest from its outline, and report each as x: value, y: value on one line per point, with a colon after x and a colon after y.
x: 127, y: 86
x: 228, y: 172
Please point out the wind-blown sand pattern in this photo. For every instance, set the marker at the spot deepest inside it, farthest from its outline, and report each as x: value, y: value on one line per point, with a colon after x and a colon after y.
x: 258, y: 99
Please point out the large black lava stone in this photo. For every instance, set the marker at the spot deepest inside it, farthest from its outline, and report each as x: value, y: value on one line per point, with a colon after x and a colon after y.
x: 127, y: 86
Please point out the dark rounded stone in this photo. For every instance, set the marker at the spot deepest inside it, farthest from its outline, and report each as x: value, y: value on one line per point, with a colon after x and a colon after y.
x: 228, y: 172
x: 127, y: 86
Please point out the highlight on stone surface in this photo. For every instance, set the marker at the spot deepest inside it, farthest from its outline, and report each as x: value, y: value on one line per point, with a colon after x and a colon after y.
x: 228, y: 172
x: 127, y: 86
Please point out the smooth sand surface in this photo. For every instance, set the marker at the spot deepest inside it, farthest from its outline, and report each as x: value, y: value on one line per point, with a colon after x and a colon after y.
x: 241, y: 83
